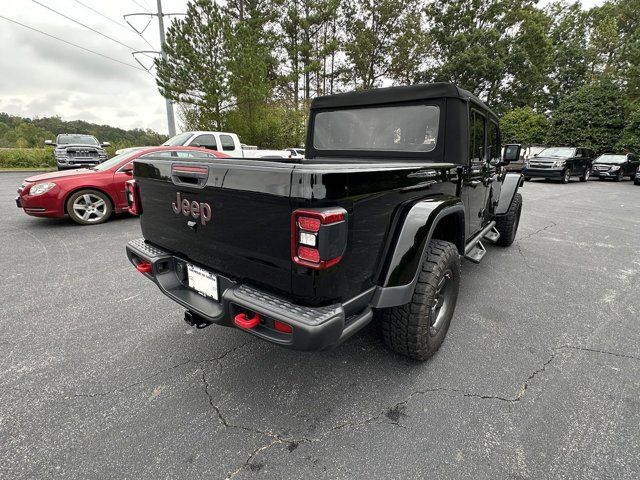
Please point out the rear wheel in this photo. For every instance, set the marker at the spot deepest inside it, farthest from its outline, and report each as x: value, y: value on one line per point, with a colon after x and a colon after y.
x: 585, y: 176
x: 417, y: 329
x: 89, y: 207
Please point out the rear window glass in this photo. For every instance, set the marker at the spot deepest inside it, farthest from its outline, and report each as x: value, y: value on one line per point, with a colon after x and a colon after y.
x: 408, y: 128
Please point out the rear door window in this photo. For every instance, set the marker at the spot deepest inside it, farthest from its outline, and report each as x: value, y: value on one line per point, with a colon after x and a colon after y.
x: 477, y: 150
x: 227, y: 143
x: 206, y: 141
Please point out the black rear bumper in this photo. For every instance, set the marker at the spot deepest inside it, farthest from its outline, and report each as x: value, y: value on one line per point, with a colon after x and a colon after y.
x: 312, y: 328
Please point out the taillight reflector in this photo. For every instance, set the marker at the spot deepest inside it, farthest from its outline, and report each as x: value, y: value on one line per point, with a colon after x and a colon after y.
x: 133, y: 197
x: 282, y: 327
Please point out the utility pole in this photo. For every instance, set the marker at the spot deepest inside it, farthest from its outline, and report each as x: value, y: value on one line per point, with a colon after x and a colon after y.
x: 171, y: 121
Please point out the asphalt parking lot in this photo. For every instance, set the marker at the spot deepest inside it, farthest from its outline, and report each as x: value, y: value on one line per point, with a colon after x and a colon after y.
x: 539, y: 376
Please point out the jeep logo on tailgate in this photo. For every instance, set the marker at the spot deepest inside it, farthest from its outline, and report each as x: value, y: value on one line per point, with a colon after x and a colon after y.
x: 192, y: 209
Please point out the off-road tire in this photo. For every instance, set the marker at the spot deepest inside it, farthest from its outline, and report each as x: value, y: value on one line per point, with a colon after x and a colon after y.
x: 103, y: 212
x: 585, y: 176
x: 407, y: 329
x: 507, y: 225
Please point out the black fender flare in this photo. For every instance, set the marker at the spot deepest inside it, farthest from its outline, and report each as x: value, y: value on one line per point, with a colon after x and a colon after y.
x: 508, y: 190
x: 397, y: 281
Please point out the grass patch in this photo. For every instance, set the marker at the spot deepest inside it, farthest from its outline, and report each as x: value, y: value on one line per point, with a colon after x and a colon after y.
x: 26, y: 158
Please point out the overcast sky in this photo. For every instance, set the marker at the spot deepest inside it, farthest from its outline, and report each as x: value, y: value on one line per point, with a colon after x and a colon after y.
x: 40, y: 76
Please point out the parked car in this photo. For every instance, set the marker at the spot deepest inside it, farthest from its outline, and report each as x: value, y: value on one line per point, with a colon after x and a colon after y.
x: 120, y: 151
x: 228, y: 143
x: 397, y: 185
x: 75, y: 150
x: 560, y: 163
x: 615, y: 166
x: 636, y: 179
x: 296, y: 152
x: 90, y: 195
x: 525, y: 154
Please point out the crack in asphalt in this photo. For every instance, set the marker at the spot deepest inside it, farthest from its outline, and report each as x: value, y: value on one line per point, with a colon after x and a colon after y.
x: 395, y: 412
x: 551, y: 225
x: 168, y: 369
x: 524, y: 258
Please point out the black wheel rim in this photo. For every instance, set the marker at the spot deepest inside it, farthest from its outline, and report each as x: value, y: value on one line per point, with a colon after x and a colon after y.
x: 442, y: 303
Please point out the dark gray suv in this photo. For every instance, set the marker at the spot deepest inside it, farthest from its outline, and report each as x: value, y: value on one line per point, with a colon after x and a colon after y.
x: 560, y: 163
x: 615, y: 166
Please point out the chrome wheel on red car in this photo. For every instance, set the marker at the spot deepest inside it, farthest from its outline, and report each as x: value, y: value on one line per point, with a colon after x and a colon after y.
x: 89, y: 207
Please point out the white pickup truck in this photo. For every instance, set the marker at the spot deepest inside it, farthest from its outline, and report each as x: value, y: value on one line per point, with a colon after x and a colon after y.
x: 225, y: 142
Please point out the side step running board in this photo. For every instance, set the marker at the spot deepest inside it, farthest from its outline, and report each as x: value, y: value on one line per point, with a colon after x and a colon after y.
x: 475, y: 250
x: 492, y: 235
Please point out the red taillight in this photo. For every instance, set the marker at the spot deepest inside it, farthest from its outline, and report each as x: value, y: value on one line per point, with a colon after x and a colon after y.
x: 310, y: 224
x: 133, y: 197
x: 144, y: 267
x: 282, y: 327
x: 309, y: 254
x: 318, y: 237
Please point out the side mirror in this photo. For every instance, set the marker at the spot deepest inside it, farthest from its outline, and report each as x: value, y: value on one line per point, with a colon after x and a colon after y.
x: 536, y: 154
x: 128, y: 169
x: 105, y: 144
x: 511, y: 153
x: 49, y: 142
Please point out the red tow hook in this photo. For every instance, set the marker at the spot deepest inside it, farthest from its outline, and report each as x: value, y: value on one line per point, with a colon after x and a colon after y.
x: 242, y: 321
x: 144, y: 267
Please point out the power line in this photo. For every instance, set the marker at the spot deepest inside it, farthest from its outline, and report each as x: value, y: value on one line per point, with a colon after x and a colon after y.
x: 141, y: 6
x: 73, y: 44
x: 85, y: 26
x: 121, y: 25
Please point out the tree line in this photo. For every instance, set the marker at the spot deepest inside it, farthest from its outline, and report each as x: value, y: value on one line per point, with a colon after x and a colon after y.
x: 20, y: 132
x: 253, y: 66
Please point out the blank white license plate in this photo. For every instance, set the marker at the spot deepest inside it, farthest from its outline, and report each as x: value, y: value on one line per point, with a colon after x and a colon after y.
x: 203, y: 282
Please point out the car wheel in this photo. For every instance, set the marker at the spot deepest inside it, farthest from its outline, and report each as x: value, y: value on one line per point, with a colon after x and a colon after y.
x: 89, y: 207
x: 507, y: 225
x: 619, y: 176
x: 417, y: 329
x: 585, y: 176
x: 566, y: 177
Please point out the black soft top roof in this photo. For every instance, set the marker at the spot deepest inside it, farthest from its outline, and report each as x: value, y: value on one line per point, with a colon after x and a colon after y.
x: 407, y: 93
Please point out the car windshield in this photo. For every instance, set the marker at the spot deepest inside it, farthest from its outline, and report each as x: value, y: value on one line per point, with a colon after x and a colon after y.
x: 411, y: 128
x: 609, y: 158
x: 557, y: 152
x: 77, y: 140
x: 178, y: 140
x: 112, y: 162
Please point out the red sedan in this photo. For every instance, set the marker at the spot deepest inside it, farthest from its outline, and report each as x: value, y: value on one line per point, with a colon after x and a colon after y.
x: 90, y: 195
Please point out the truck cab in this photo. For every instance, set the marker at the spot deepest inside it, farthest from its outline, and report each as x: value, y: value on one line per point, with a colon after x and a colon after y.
x: 225, y: 142
x: 396, y: 187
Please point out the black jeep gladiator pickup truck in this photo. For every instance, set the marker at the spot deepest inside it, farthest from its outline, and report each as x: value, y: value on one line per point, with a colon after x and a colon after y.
x: 397, y: 185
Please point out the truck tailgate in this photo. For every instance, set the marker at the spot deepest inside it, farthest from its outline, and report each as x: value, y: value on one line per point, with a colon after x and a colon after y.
x: 234, y: 221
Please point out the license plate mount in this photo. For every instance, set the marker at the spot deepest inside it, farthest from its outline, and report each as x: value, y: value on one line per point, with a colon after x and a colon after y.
x: 202, y: 281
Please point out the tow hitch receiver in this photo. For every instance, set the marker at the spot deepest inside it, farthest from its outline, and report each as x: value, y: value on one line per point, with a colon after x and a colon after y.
x: 195, y: 320
x: 243, y: 321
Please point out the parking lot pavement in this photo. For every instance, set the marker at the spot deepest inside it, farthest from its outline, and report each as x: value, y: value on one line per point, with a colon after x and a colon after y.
x: 539, y: 376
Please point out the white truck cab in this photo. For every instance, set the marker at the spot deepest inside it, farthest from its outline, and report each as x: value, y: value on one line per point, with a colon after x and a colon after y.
x: 224, y: 142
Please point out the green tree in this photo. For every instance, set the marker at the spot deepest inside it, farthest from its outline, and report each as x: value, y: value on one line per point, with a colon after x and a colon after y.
x: 593, y: 116
x: 195, y: 73
x: 523, y: 125
x: 630, y: 138
x: 373, y: 33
